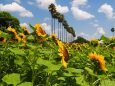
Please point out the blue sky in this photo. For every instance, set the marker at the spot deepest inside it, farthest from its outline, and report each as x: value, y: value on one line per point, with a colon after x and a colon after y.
x: 89, y: 18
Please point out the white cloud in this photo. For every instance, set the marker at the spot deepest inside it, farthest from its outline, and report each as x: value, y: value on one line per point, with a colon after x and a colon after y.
x: 43, y: 4
x: 80, y: 14
x: 107, y: 10
x: 24, y: 24
x: 14, y: 7
x: 18, y: 1
x: 77, y: 12
x: 46, y: 27
x: 76, y: 3
x: 62, y: 9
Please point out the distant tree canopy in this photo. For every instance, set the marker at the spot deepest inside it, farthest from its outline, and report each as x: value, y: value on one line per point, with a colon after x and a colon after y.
x: 80, y: 40
x: 6, y: 19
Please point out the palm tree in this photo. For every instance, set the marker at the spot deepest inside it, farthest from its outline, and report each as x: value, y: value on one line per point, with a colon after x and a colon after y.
x: 112, y: 30
x: 65, y: 31
x: 54, y: 16
x: 52, y: 10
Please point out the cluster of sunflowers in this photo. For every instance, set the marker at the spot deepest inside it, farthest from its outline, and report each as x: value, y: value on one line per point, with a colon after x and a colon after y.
x: 18, y: 37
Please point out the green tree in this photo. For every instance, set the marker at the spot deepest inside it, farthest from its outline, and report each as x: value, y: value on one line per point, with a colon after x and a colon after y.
x: 80, y: 40
x: 6, y: 20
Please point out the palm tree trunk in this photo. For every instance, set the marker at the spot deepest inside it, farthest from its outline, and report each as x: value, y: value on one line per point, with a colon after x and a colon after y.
x: 52, y: 26
x: 62, y: 33
x: 58, y: 30
x: 66, y: 36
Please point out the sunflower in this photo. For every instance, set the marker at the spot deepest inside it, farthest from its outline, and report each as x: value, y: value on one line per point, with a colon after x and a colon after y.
x: 100, y: 59
x: 23, y: 37
x: 26, y: 31
x: 63, y: 53
x: 17, y: 38
x: 3, y: 40
x: 11, y: 30
x: 53, y: 37
x: 39, y: 30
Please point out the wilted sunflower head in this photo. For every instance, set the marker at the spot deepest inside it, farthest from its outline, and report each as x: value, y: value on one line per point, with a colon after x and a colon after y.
x: 63, y: 53
x: 39, y: 30
x: 64, y: 63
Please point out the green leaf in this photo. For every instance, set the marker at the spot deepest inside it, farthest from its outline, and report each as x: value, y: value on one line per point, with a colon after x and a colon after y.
x: 4, y: 35
x: 81, y: 81
x: 107, y: 83
x: 19, y: 61
x: 51, y: 67
x: 17, y: 51
x: 2, y: 84
x: 75, y: 71
x: 30, y: 37
x: 13, y: 78
x: 90, y: 71
x: 26, y: 84
x: 32, y: 27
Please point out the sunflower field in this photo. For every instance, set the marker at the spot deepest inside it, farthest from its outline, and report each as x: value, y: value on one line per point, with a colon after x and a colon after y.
x: 37, y: 59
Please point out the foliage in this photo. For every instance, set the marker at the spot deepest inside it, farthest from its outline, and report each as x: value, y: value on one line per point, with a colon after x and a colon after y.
x: 80, y: 40
x: 37, y: 62
x: 6, y: 19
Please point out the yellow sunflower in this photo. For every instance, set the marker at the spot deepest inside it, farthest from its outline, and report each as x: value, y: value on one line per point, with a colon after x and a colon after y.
x: 53, y: 36
x: 23, y: 37
x: 63, y: 53
x: 26, y: 31
x: 39, y: 30
x: 17, y: 38
x: 11, y: 30
x: 100, y: 59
